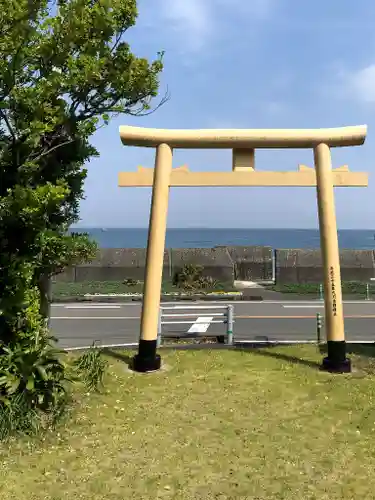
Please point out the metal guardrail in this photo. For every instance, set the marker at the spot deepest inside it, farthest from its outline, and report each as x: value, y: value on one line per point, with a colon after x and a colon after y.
x: 226, y: 318
x: 319, y: 325
x: 367, y: 290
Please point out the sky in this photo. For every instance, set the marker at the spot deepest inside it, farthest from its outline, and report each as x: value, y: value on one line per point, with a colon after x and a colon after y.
x: 246, y: 64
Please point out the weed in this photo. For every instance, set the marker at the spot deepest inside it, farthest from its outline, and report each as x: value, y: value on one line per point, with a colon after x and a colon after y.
x: 91, y: 367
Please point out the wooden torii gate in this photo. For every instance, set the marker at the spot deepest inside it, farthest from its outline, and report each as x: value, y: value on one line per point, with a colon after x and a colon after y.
x: 243, y: 143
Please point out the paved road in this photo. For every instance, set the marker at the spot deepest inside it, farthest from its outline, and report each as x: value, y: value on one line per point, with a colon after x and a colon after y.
x: 77, y: 325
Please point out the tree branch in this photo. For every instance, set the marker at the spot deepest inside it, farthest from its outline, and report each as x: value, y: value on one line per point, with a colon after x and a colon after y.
x: 45, y: 153
x: 109, y: 109
x: 164, y: 99
x: 11, y: 131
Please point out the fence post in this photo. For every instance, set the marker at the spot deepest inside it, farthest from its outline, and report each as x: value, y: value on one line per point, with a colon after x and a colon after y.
x: 367, y: 291
x: 170, y: 267
x: 158, y: 338
x: 319, y: 328
x: 274, y: 267
x: 230, y: 314
x: 321, y: 295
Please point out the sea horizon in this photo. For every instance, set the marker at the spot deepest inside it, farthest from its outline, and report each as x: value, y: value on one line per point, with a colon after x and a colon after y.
x: 209, y: 237
x: 239, y: 228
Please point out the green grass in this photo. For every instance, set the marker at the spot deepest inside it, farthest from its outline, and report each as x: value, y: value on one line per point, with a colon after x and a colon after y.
x: 64, y: 290
x: 348, y: 288
x: 217, y: 424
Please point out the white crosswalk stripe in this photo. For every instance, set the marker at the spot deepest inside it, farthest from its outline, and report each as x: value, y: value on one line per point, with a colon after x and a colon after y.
x: 201, y: 325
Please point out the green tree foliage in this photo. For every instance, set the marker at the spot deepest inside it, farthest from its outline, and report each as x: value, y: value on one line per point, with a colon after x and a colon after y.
x: 65, y: 70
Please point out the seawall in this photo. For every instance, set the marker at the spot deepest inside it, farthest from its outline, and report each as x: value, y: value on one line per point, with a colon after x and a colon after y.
x: 225, y: 264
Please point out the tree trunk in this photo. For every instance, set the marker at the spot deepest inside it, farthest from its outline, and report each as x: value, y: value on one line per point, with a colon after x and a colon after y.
x: 45, y: 289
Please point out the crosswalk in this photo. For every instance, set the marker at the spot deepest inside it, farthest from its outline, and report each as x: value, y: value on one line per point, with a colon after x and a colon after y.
x: 201, y: 325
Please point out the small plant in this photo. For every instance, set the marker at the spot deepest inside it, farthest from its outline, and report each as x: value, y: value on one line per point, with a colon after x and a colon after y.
x: 18, y: 416
x: 191, y: 278
x: 207, y: 282
x: 33, y: 369
x: 131, y: 282
x: 91, y: 367
x: 33, y: 388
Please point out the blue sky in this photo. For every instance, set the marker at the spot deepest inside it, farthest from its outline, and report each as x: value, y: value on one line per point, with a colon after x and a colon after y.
x: 246, y: 64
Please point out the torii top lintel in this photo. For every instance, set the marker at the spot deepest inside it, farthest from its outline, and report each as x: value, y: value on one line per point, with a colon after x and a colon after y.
x: 243, y: 138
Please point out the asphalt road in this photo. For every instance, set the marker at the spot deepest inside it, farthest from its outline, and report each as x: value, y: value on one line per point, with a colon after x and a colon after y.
x: 78, y: 325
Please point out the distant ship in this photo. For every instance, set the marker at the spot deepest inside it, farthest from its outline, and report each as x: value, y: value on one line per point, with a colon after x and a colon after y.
x: 104, y: 229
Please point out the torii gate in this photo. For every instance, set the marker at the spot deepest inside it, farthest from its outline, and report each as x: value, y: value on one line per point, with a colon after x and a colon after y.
x: 243, y: 143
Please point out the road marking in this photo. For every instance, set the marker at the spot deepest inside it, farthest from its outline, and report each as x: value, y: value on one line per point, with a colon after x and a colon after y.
x: 225, y: 302
x: 94, y: 318
x: 276, y: 341
x: 304, y: 306
x: 201, y: 325
x: 193, y: 315
x: 91, y: 306
x: 272, y: 317
x: 204, y: 319
x: 103, y: 346
x: 350, y: 316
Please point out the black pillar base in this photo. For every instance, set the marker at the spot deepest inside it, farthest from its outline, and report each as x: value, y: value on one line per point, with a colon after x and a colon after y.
x: 146, y: 360
x: 336, y: 360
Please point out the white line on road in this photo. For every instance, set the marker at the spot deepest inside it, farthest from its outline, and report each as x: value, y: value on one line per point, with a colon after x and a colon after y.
x: 102, y: 346
x: 201, y: 325
x: 94, y: 318
x: 305, y: 306
x: 96, y: 306
x: 222, y: 302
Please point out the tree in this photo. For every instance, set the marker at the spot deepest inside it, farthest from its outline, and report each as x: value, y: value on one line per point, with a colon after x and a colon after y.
x: 65, y: 70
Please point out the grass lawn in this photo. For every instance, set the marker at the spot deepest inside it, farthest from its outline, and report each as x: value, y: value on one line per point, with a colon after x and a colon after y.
x: 348, y: 288
x: 216, y: 424
x: 64, y: 290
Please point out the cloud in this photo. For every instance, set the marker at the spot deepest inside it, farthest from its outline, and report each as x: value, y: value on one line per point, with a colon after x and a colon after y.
x: 197, y: 21
x: 275, y: 108
x: 256, y: 8
x: 353, y: 85
x: 361, y: 84
x: 191, y: 19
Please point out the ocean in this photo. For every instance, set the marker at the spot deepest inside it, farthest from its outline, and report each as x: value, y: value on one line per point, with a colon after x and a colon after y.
x: 190, y: 238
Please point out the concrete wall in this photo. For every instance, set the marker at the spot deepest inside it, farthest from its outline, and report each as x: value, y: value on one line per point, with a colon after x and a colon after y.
x: 118, y: 264
x: 305, y: 266
x: 216, y: 262
x: 252, y: 263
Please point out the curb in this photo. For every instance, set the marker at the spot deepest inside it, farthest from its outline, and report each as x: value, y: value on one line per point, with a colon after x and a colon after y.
x: 163, y: 298
x: 241, y: 344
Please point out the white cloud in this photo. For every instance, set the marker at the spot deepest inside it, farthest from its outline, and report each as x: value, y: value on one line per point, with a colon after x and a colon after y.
x: 362, y: 84
x: 195, y: 21
x: 256, y: 8
x: 191, y: 19
x: 353, y: 85
x: 275, y: 108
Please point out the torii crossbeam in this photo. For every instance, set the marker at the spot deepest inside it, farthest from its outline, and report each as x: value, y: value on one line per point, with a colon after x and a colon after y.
x: 183, y: 177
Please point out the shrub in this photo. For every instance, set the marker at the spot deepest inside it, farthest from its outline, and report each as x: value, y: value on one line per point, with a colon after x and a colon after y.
x: 33, y: 382
x: 33, y: 369
x: 131, y: 282
x: 91, y: 367
x: 191, y: 278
